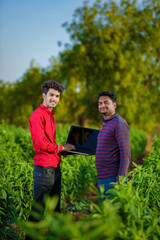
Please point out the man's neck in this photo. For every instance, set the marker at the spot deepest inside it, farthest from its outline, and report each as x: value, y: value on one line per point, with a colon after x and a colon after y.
x: 50, y: 109
x: 106, y: 116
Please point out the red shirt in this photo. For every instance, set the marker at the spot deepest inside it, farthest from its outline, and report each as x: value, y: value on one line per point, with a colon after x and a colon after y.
x: 43, y: 133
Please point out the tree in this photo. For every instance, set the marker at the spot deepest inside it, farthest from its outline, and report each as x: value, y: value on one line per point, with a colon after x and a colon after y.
x: 18, y: 100
x: 114, y: 48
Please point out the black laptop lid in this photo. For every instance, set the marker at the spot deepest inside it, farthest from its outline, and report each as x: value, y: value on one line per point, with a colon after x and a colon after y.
x: 84, y: 139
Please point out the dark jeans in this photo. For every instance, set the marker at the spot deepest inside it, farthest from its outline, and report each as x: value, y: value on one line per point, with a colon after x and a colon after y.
x: 106, y: 183
x: 47, y: 181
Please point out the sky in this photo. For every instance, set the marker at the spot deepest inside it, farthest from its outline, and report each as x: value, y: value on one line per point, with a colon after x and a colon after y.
x: 31, y: 29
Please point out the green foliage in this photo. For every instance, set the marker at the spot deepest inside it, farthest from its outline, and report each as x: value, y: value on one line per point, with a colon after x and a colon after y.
x: 147, y: 179
x: 78, y: 173
x: 131, y: 211
x: 16, y: 182
x: 112, y: 47
x: 8, y: 212
x: 139, y: 199
x: 98, y: 226
x: 138, y: 143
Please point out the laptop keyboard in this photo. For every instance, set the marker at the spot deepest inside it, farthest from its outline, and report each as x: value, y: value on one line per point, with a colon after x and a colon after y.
x: 85, y: 150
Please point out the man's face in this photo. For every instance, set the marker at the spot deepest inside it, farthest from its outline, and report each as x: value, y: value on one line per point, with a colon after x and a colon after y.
x: 106, y: 106
x: 51, y: 99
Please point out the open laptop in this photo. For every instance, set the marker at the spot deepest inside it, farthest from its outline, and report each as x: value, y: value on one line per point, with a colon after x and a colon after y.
x: 84, y: 139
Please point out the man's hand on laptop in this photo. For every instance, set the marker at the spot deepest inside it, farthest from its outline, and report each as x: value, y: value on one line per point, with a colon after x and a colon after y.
x: 68, y: 147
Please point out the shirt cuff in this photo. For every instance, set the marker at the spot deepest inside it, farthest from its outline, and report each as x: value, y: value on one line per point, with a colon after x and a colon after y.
x: 60, y: 148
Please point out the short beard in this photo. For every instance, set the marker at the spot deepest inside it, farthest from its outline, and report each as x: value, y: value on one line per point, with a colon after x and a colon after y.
x: 104, y: 113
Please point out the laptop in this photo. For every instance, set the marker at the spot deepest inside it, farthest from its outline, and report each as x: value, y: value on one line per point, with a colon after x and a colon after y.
x: 84, y: 139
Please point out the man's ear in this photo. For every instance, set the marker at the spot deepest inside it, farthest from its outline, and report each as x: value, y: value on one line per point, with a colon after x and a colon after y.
x: 115, y: 105
x: 43, y: 95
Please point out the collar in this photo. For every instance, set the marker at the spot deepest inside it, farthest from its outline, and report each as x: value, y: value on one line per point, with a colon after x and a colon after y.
x: 46, y: 109
x: 106, y: 120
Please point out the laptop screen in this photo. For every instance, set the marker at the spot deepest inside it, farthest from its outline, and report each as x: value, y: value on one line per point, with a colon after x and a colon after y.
x: 84, y: 139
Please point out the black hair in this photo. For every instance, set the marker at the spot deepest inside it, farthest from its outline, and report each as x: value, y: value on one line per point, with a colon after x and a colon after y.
x: 110, y: 94
x: 52, y: 84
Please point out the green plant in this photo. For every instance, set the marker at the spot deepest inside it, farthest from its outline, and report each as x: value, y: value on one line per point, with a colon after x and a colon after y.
x: 131, y: 211
x: 16, y: 181
x: 138, y: 143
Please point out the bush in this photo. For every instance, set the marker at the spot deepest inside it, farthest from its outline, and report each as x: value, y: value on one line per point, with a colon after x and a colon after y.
x: 138, y: 143
x: 131, y: 211
x: 16, y: 165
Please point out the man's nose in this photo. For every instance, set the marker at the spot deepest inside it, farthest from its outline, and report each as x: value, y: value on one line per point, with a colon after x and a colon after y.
x: 54, y: 98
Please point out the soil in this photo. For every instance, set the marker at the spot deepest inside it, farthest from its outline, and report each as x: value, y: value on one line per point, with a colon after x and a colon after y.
x: 138, y: 161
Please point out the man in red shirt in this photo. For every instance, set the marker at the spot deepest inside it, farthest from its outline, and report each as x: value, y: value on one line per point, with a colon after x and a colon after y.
x: 47, y: 173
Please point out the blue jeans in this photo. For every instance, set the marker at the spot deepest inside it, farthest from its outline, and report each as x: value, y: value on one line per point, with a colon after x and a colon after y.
x: 47, y: 181
x: 106, y: 183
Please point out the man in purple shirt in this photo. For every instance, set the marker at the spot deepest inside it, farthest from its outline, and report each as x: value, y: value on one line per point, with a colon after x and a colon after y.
x: 113, y: 152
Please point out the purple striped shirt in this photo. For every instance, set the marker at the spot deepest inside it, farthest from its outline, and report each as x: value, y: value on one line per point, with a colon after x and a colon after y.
x: 113, y: 151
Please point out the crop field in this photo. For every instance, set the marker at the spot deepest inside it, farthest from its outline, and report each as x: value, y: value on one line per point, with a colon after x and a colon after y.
x: 132, y: 211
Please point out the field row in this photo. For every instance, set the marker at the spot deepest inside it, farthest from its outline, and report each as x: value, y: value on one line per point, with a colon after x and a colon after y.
x: 16, y: 182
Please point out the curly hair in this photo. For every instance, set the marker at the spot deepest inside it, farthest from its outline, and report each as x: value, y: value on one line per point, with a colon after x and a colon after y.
x: 52, y: 84
x: 110, y: 94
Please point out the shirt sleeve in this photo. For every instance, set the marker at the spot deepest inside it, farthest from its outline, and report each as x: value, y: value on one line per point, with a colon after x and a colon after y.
x: 123, y: 139
x: 41, y: 142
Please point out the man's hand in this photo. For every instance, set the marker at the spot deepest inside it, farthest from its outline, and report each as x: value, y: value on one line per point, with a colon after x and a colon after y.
x: 68, y: 147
